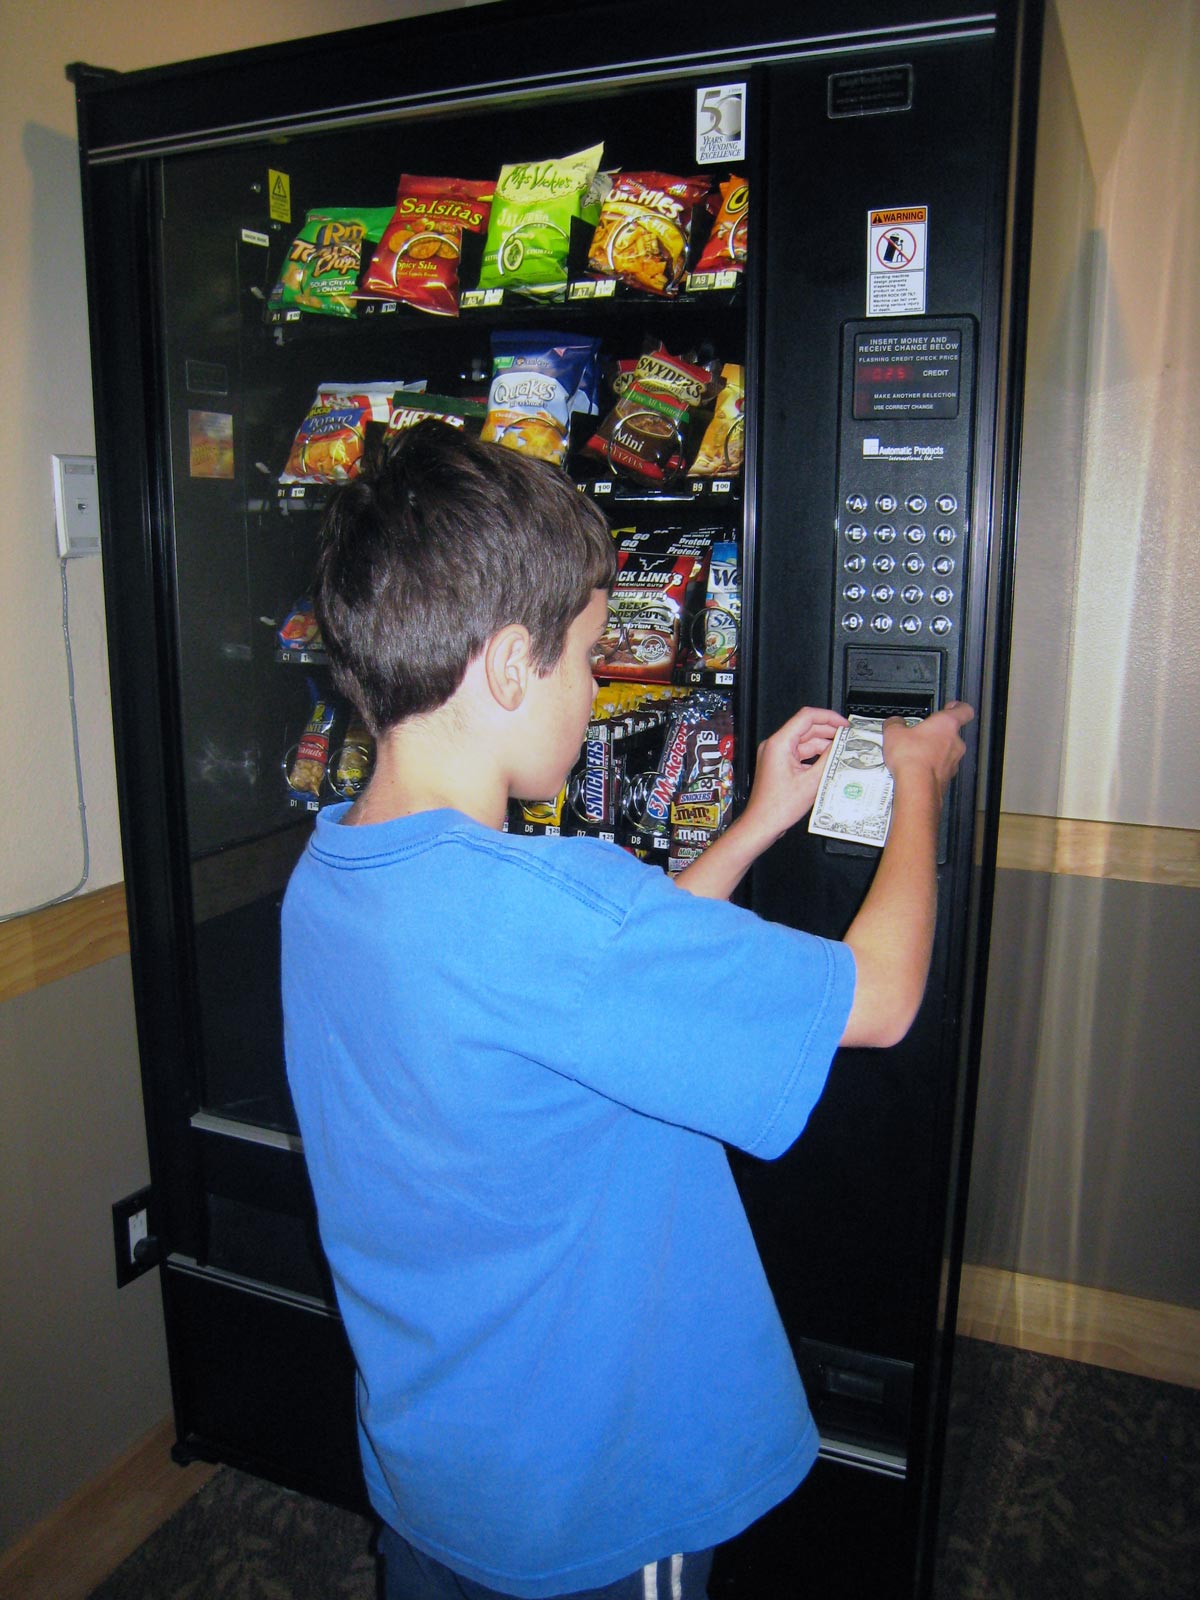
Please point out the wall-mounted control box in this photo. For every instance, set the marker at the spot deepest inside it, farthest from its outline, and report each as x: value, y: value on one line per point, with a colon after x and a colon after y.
x: 76, y: 505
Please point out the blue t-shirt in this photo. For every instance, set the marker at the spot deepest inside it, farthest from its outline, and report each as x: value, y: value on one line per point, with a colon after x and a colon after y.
x: 514, y: 1062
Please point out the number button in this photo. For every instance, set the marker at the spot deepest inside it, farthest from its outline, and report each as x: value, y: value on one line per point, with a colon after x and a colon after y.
x: 912, y: 594
x: 942, y: 595
x: 914, y: 563
x: 943, y: 566
x: 884, y: 563
x: 881, y: 623
x: 883, y: 594
x: 852, y: 622
x: 855, y: 562
x: 854, y: 592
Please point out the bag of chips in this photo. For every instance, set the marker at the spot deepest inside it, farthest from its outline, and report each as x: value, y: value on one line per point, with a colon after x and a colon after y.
x: 323, y: 264
x: 300, y: 631
x: 723, y: 447
x: 645, y: 230
x: 408, y: 410
x: 305, y: 770
x: 725, y: 247
x: 328, y: 446
x: 536, y: 384
x: 722, y: 614
x: 417, y: 259
x: 350, y: 768
x: 645, y: 434
x: 529, y: 230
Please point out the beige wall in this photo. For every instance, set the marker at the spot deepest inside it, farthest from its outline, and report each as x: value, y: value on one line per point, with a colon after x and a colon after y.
x: 1088, y: 1134
x: 83, y: 1365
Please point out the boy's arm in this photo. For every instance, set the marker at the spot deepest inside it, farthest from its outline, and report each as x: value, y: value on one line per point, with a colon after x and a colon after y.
x: 892, y: 934
x: 785, y: 786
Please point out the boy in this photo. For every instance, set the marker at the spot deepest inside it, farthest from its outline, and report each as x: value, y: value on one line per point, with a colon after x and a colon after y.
x: 573, y: 1379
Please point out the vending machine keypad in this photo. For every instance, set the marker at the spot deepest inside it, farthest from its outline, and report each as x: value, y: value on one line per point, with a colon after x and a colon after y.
x: 903, y: 498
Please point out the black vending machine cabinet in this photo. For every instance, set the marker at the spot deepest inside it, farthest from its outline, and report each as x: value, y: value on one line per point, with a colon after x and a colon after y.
x: 873, y: 313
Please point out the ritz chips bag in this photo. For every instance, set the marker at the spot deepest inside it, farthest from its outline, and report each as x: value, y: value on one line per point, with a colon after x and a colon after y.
x: 322, y: 267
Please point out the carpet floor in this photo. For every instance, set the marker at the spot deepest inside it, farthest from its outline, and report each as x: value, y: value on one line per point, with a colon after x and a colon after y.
x: 1063, y: 1482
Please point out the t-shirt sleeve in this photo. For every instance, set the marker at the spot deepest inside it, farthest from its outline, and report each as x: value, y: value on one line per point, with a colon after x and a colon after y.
x: 701, y: 1013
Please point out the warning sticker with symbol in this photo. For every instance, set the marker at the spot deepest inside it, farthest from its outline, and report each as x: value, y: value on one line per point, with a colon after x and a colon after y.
x: 896, y: 258
x: 279, y: 191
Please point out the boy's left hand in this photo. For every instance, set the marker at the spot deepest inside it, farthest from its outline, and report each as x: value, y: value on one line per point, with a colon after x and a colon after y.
x: 785, y: 785
x: 789, y: 768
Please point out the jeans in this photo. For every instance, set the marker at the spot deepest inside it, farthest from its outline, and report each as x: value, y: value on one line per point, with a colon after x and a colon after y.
x: 409, y: 1574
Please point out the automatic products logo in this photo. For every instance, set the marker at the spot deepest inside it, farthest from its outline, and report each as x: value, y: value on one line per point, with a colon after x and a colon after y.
x: 903, y: 452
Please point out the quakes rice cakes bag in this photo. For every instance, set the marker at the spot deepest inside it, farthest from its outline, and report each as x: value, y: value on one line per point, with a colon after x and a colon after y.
x: 529, y: 231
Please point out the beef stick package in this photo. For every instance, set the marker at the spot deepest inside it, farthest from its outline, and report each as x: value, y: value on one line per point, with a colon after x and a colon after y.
x: 658, y: 588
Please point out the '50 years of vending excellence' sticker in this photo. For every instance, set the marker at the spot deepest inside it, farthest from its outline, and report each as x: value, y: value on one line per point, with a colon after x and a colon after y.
x: 721, y: 123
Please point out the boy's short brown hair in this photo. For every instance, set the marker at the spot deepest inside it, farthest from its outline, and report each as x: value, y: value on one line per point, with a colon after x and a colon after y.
x: 436, y: 546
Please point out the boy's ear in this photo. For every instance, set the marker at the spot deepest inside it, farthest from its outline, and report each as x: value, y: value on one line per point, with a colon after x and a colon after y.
x: 507, y: 665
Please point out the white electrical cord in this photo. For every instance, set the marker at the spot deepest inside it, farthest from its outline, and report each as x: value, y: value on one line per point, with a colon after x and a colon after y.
x: 8, y: 916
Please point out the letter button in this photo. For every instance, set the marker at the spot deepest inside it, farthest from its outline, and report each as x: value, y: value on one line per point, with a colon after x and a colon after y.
x: 916, y: 505
x: 885, y: 504
x: 947, y: 504
x: 856, y: 503
x: 885, y: 533
x: 856, y: 533
x: 944, y: 533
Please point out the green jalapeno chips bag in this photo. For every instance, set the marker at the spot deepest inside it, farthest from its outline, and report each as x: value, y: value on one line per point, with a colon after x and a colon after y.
x: 529, y: 231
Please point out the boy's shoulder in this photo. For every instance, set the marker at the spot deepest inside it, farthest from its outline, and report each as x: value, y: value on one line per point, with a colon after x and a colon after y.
x: 450, y: 852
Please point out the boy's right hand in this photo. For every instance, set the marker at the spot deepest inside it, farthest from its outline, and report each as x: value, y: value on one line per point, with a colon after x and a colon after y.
x: 934, y: 745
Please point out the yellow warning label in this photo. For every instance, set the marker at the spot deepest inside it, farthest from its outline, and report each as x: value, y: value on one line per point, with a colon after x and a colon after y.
x: 884, y: 219
x: 279, y: 187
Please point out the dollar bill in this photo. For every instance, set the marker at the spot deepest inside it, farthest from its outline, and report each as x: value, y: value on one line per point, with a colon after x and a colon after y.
x: 854, y: 802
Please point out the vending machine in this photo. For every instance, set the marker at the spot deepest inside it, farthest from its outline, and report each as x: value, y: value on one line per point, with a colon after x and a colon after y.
x: 764, y: 277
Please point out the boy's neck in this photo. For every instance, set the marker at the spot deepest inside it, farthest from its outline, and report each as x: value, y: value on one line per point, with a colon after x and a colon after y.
x: 433, y: 763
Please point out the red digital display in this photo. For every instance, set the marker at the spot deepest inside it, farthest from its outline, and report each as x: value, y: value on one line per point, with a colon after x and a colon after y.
x: 892, y: 373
